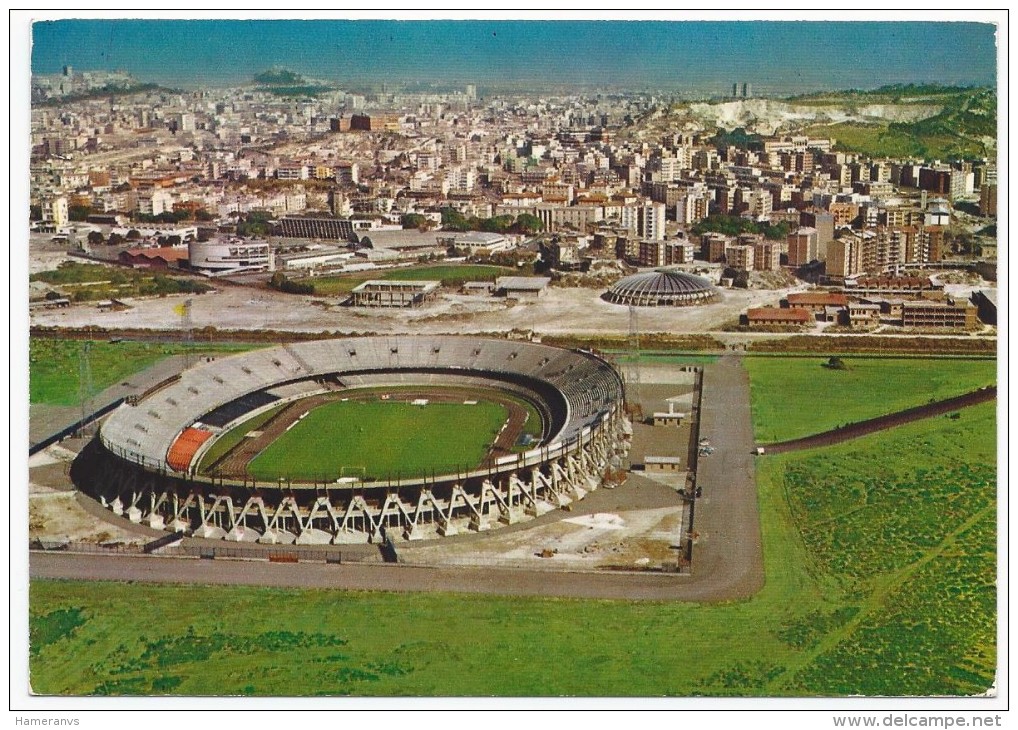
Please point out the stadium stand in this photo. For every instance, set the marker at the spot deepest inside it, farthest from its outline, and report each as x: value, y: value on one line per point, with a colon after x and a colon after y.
x: 185, y: 446
x: 233, y: 410
x: 573, y: 389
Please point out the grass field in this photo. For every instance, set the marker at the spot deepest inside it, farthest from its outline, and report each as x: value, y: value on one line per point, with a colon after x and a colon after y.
x: 879, y: 140
x: 389, y: 439
x: 796, y: 396
x: 449, y: 275
x: 966, y: 120
x: 880, y: 562
x: 54, y: 364
x: 91, y: 282
x: 890, y: 140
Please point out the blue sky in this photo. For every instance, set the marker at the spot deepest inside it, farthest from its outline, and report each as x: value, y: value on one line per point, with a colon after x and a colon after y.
x: 775, y: 56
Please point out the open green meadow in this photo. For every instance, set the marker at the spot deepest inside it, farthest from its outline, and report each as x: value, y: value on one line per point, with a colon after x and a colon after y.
x: 54, y: 364
x: 797, y: 396
x: 82, y: 282
x: 878, y: 138
x: 382, y: 439
x: 449, y: 275
x: 880, y: 562
x: 965, y: 118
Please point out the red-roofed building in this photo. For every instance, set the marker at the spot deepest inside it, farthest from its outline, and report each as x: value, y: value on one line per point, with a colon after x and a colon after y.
x: 775, y: 315
x: 898, y: 286
x: 816, y: 302
x: 168, y: 257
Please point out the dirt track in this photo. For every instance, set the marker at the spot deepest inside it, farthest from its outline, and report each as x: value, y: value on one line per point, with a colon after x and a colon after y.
x: 891, y: 420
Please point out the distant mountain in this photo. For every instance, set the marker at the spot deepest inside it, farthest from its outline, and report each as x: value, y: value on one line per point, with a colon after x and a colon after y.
x: 279, y: 77
x: 281, y: 82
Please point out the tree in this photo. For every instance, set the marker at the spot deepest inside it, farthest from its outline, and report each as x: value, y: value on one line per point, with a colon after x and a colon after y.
x: 133, y: 235
x: 959, y: 239
x: 733, y: 225
x: 115, y: 239
x: 739, y: 277
x: 256, y: 223
x: 95, y: 238
x: 497, y: 224
x: 172, y: 216
x: 203, y: 215
x: 79, y: 212
x: 777, y: 232
x: 283, y: 284
x: 453, y: 220
x: 35, y: 212
x: 528, y: 224
x: 416, y: 220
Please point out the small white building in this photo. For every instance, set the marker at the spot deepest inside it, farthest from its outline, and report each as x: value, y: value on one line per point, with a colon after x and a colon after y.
x: 479, y: 243
x: 521, y: 287
x: 228, y: 256
x: 662, y: 463
x: 671, y: 417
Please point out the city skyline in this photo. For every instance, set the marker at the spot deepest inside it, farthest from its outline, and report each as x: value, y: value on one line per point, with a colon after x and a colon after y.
x: 776, y: 57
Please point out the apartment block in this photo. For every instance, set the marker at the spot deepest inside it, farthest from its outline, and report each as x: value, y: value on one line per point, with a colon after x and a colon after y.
x: 740, y: 257
x: 950, y: 314
x: 767, y: 256
x: 802, y: 246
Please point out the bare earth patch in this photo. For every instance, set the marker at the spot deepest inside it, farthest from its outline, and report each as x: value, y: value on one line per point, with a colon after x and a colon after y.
x: 560, y: 311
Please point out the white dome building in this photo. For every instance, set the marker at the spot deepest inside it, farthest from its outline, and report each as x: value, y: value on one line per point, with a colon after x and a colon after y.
x: 662, y: 289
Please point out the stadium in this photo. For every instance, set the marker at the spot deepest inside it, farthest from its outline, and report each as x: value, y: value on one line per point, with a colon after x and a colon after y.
x: 662, y: 288
x: 348, y: 440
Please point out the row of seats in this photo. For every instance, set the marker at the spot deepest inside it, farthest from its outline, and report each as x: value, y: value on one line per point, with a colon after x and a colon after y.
x: 144, y: 433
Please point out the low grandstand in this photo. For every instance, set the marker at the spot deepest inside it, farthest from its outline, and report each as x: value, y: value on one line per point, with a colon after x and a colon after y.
x: 151, y: 449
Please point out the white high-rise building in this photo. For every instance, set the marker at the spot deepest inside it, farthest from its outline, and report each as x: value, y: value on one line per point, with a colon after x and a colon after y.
x: 461, y: 178
x: 55, y: 212
x: 653, y: 221
x: 647, y: 220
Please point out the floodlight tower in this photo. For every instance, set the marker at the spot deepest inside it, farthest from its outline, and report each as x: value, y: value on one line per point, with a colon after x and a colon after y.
x: 85, y: 387
x: 633, y: 371
x: 186, y: 324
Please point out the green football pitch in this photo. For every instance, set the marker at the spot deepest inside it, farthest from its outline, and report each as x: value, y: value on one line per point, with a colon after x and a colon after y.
x: 383, y: 440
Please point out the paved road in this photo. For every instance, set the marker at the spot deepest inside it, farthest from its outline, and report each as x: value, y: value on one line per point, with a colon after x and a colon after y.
x: 728, y: 553
x: 380, y: 577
